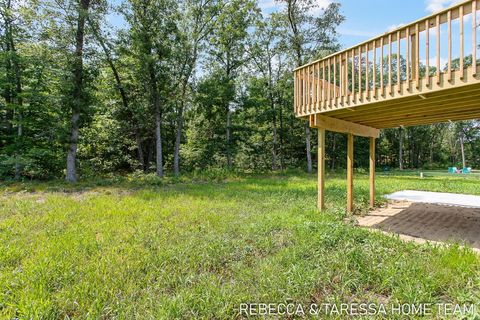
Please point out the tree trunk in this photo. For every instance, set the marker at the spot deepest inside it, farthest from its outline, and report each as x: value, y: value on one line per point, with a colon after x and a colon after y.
x: 178, y: 135
x: 332, y: 167
x: 400, y: 149
x: 280, y: 149
x: 228, y: 134
x: 77, y: 91
x: 138, y: 141
x: 308, y: 147
x: 158, y: 140
x: 462, y: 149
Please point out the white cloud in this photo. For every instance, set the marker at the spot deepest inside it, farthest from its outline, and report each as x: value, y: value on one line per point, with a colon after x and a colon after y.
x: 437, y: 5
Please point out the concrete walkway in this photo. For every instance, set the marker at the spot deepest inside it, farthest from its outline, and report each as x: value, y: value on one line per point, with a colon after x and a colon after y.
x: 441, y: 198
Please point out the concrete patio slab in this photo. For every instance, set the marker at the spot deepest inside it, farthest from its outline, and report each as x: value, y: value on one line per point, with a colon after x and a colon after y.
x: 441, y: 198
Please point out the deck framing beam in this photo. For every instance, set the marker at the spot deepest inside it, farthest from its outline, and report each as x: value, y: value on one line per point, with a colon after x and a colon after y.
x: 337, y: 125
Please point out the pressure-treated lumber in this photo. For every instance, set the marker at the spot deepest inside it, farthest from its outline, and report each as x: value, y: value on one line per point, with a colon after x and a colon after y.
x: 372, y: 172
x: 321, y: 169
x: 395, y: 83
x: 349, y: 172
x: 337, y: 125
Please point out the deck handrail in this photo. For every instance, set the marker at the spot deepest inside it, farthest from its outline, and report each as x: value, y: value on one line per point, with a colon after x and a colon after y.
x: 357, y: 73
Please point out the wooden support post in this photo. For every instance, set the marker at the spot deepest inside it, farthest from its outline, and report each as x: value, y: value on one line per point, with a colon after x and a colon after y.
x: 350, y: 173
x: 321, y: 169
x: 372, y: 172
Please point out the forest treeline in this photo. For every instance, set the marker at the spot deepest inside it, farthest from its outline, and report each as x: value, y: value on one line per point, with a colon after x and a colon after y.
x: 91, y: 87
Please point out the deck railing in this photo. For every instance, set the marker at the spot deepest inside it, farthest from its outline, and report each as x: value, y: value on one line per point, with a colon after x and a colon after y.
x: 424, y: 53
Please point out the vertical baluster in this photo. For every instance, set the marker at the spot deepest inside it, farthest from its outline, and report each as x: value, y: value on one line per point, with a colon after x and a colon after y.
x: 345, y: 75
x: 360, y: 72
x: 334, y: 79
x: 374, y: 69
x: 367, y: 84
x: 353, y: 74
x: 295, y: 95
x: 398, y: 61
x: 329, y: 96
x: 340, y: 76
x: 407, y: 58
x: 315, y: 85
x: 309, y: 97
x: 390, y: 62
x: 474, y: 37
x: 319, y: 86
x: 449, y: 26
x: 296, y: 92
x: 438, y: 49
x: 460, y: 12
x: 417, y: 56
x: 427, y: 52
x: 324, y: 90
x: 381, y: 67
x: 304, y: 91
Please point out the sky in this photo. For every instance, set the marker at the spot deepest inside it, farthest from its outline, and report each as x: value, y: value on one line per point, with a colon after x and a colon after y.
x: 365, y: 19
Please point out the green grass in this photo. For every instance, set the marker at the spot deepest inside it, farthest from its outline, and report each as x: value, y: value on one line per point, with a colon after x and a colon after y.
x: 133, y: 248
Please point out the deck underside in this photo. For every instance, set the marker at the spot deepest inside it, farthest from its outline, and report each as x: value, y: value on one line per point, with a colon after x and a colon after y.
x: 456, y: 103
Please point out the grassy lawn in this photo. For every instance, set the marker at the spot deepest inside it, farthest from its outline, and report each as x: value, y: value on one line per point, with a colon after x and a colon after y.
x: 127, y: 249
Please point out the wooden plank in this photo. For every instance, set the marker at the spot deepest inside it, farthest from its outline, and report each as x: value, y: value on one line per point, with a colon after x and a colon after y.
x: 438, y: 50
x: 372, y: 172
x: 408, y: 61
x: 428, y: 119
x: 405, y: 110
x: 398, y: 62
x: 416, y: 66
x: 338, y: 125
x: 367, y: 67
x: 427, y: 53
x: 360, y: 71
x: 374, y: 71
x: 390, y: 62
x: 321, y: 169
x: 353, y: 73
x: 461, y: 41
x: 350, y: 172
x: 449, y: 31
x: 334, y: 77
x: 324, y: 95
x: 474, y: 37
x: 428, y: 112
x: 381, y: 66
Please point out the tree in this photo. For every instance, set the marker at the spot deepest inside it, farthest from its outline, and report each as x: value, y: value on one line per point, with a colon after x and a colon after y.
x: 307, y: 36
x: 195, y: 27
x: 77, y: 95
x: 228, y: 51
x: 152, y: 30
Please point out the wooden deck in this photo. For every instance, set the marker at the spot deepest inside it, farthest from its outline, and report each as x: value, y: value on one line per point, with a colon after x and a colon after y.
x: 433, y: 84
x: 421, y: 73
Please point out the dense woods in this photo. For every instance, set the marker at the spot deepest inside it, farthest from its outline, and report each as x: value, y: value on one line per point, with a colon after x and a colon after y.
x: 92, y: 87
